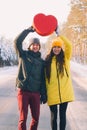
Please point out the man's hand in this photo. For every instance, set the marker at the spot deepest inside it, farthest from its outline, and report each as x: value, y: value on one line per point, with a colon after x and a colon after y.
x: 31, y: 29
x: 43, y: 99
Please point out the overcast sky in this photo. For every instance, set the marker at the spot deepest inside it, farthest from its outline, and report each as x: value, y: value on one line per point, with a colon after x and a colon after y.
x: 16, y: 15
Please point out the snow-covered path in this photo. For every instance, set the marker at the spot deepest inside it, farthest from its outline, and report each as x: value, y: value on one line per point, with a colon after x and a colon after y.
x: 80, y: 74
x: 77, y: 110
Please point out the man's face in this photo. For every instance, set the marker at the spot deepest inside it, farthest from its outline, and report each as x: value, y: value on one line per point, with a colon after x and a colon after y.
x: 35, y: 47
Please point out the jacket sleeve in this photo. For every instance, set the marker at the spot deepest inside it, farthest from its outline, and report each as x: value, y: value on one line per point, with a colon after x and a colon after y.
x: 18, y: 42
x: 43, y: 88
x: 67, y: 47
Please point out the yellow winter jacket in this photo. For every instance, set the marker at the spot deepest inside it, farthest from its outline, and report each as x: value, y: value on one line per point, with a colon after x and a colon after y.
x: 60, y: 90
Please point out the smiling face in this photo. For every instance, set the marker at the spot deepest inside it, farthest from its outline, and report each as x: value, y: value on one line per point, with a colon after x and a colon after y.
x: 35, y: 47
x: 34, y: 44
x: 56, y: 50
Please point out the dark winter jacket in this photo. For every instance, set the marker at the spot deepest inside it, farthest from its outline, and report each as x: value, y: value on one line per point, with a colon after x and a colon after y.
x: 31, y: 75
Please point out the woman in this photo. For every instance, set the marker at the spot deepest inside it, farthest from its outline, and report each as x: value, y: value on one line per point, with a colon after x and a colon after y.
x: 58, y: 80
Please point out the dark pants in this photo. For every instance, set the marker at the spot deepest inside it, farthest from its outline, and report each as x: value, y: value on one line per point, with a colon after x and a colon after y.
x: 24, y: 100
x: 62, y: 116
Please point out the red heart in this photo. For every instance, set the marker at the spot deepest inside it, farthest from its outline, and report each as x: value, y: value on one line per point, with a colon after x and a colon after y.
x: 44, y: 25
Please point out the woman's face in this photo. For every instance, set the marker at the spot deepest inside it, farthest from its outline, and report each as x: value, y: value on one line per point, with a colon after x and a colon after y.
x: 56, y: 50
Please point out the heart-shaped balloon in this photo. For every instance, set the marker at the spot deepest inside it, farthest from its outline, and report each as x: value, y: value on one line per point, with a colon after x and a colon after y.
x: 44, y: 25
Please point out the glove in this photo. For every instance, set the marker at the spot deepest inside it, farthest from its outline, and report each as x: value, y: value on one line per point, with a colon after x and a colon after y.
x: 31, y: 29
x: 43, y: 99
x: 56, y: 31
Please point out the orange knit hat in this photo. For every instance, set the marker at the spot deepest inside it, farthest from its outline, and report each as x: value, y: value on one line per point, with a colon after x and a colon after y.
x: 57, y: 42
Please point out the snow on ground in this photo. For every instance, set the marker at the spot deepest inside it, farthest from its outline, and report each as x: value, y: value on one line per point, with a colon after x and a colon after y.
x: 79, y: 74
x: 80, y: 69
x: 7, y: 72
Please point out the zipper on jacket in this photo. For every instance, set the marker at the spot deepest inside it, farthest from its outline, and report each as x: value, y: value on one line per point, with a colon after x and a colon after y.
x: 66, y: 72
x: 59, y: 84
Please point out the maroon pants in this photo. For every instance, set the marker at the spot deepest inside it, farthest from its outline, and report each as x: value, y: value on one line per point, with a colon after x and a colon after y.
x: 26, y: 99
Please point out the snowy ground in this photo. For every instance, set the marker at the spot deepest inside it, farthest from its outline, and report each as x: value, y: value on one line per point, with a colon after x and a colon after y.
x: 80, y: 72
x: 79, y: 68
x: 76, y: 110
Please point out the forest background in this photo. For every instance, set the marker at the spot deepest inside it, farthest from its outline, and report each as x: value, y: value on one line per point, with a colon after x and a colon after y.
x: 75, y: 28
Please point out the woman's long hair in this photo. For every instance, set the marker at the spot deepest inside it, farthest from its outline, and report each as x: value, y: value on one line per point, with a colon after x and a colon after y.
x: 59, y: 62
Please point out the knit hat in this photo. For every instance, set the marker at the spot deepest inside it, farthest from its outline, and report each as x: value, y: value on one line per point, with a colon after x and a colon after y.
x: 57, y: 42
x: 34, y: 40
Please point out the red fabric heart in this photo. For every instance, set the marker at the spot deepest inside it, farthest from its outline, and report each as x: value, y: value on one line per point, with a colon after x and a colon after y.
x: 44, y: 25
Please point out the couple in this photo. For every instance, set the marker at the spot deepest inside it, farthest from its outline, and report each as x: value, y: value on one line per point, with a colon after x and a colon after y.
x: 40, y: 81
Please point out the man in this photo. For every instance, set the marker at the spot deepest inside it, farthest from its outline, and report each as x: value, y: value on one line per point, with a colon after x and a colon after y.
x: 30, y: 80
